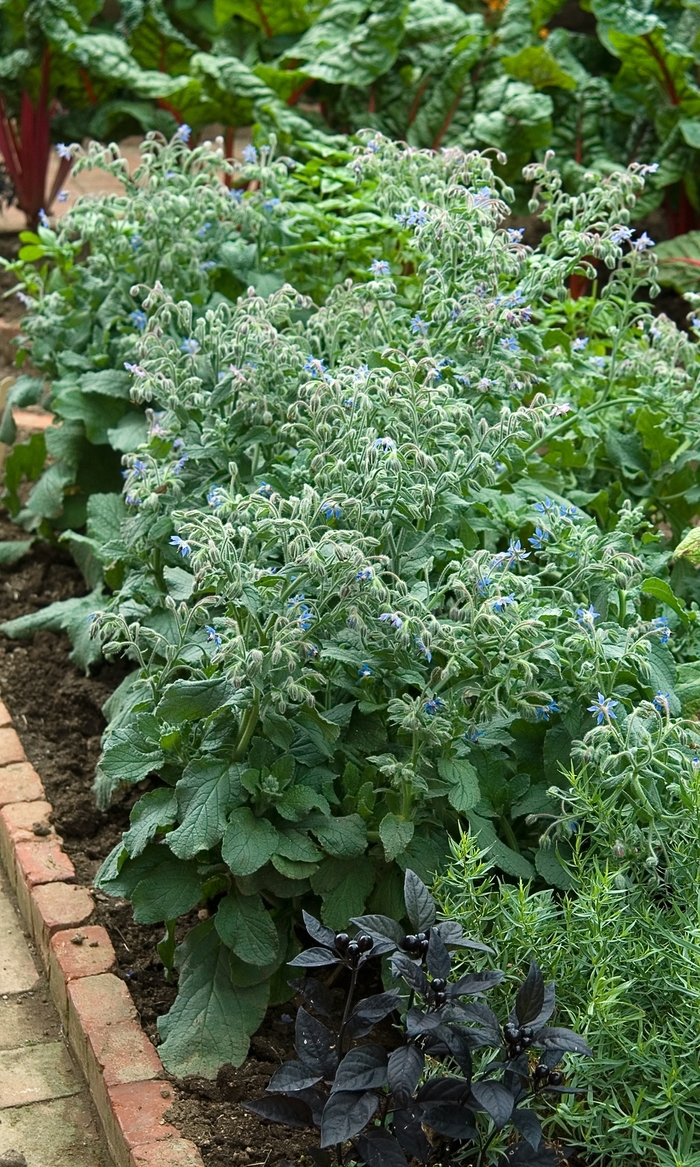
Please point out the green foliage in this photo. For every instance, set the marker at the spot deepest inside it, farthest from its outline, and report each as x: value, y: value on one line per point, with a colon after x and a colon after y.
x: 359, y: 577
x: 623, y: 947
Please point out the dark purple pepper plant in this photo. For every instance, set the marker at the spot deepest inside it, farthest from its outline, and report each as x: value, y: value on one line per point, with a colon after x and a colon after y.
x: 423, y: 1098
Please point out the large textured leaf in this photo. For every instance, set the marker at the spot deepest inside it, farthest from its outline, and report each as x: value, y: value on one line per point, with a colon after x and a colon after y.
x: 189, y: 700
x: 343, y: 885
x: 206, y: 793
x: 129, y: 755
x: 211, y: 1020
x: 464, y: 780
x: 246, y: 927
x: 536, y: 64
x: 395, y: 834
x: 249, y: 842
x: 679, y: 262
x: 155, y: 810
x: 343, y: 49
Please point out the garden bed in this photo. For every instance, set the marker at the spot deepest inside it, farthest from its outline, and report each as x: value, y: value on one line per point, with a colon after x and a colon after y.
x: 57, y: 711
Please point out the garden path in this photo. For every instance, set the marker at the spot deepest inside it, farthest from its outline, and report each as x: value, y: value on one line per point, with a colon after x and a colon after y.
x: 46, y: 1118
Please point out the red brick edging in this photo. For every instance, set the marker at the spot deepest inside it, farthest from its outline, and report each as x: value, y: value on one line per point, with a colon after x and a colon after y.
x: 122, y: 1068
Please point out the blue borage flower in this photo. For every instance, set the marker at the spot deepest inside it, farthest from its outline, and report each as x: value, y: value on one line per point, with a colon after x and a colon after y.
x: 236, y: 194
x: 473, y: 734
x: 422, y: 648
x: 539, y: 538
x: 435, y: 705
x: 270, y: 204
x: 660, y: 624
x: 515, y: 234
x: 135, y: 370
x: 132, y: 501
x: 136, y: 241
x: 203, y: 230
x: 208, y: 265
x: 312, y: 652
x: 412, y: 218
x: 643, y: 242
x: 419, y: 325
x: 386, y: 445
x: 180, y: 464
x: 482, y: 199
x: 182, y: 545
x: 24, y: 299
x: 139, y: 318
x: 579, y: 344
x: 364, y: 574
x: 542, y: 712
x: 43, y: 218
x: 392, y: 618
x: 265, y: 489
x: 331, y: 510
x: 62, y: 196
x: 603, y: 707
x: 509, y: 344
x: 305, y: 614
x: 364, y: 671
x: 190, y: 346
x: 545, y: 507
x: 183, y: 133
x: 64, y: 152
x: 661, y: 702
x: 622, y: 234
x: 216, y: 496
x: 213, y: 635
x: 587, y: 616
x: 379, y: 267
x: 502, y: 601
x: 316, y: 366
x: 250, y: 154
x: 516, y: 553
x: 484, y: 583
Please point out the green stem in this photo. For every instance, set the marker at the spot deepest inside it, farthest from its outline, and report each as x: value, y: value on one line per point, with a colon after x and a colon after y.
x: 248, y: 725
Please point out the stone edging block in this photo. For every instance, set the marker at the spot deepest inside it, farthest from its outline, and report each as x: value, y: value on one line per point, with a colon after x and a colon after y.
x: 121, y: 1066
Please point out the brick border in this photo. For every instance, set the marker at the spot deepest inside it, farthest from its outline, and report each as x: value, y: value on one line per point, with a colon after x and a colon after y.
x: 124, y: 1074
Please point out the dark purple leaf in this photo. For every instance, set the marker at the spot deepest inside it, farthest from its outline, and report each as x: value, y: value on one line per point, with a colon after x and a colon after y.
x: 314, y: 958
x: 315, y: 993
x: 530, y: 998
x: 418, y: 1022
x: 472, y: 983
x: 412, y: 973
x: 345, y: 1115
x: 529, y: 1125
x: 438, y: 958
x: 318, y: 931
x: 563, y: 1039
x: 477, y: 1013
x: 378, y: 925
x: 314, y: 1044
x: 315, y: 1100
x: 292, y: 1076
x: 368, y: 1012
x: 382, y: 945
x: 451, y: 933
x: 409, y: 1133
x: 547, y: 1007
x: 494, y: 1099
x: 277, y: 1108
x: 446, y: 1089
x: 404, y: 1072
x: 450, y: 1119
x: 364, y: 1068
x: 380, y: 1149
x: 457, y: 1044
x: 420, y: 905
x: 320, y: 1158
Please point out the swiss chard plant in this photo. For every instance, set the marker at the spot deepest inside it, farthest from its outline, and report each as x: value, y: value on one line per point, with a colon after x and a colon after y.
x: 428, y: 1093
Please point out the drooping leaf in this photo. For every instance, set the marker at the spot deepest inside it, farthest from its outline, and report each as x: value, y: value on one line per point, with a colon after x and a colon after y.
x: 246, y: 927
x: 420, y: 905
x: 211, y: 1020
x: 404, y: 1071
x: 207, y: 791
x: 495, y: 1099
x: 530, y: 996
x: 248, y: 842
x: 363, y: 1068
x: 345, y: 1115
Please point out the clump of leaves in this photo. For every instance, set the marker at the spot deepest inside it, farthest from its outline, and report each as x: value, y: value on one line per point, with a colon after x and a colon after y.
x: 423, y: 1098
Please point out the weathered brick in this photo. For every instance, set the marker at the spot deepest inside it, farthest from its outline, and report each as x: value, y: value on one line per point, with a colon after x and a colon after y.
x: 5, y: 718
x: 54, y: 906
x: 17, y: 823
x: 96, y: 1003
x: 122, y: 1053
x: 77, y: 952
x: 39, y: 862
x: 20, y: 783
x: 173, y: 1153
x: 138, y: 1109
x: 11, y: 749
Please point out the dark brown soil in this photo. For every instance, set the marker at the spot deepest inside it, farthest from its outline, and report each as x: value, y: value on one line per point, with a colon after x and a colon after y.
x: 57, y: 712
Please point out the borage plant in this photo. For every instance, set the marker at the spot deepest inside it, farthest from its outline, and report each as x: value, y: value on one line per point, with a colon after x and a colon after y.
x: 423, y: 1097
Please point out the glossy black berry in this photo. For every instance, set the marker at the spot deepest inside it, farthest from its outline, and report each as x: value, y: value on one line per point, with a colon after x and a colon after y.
x: 341, y: 941
x: 364, y: 942
x: 422, y: 936
x: 541, y: 1071
x: 439, y: 984
x: 424, y: 946
x: 353, y: 951
x: 527, y: 1031
x: 440, y: 998
x: 511, y: 1032
x: 410, y: 943
x: 555, y: 1078
x: 517, y: 1049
